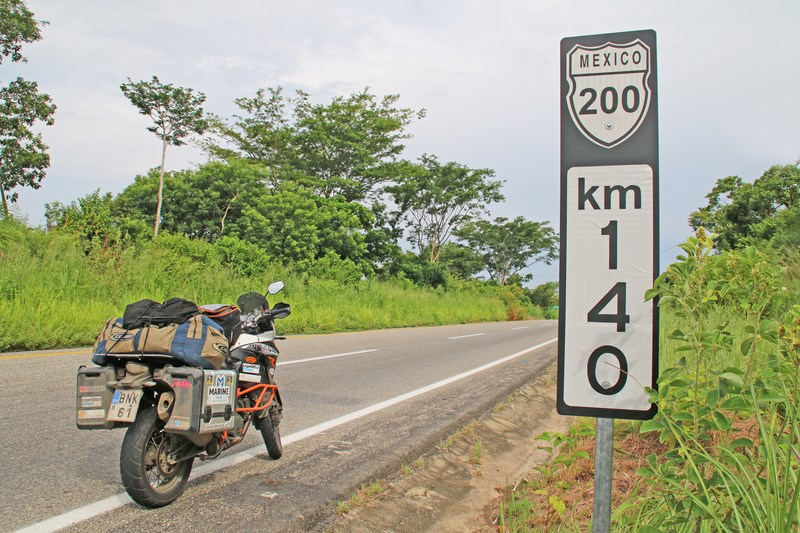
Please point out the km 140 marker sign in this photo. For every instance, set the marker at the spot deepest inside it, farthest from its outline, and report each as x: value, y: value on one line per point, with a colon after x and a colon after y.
x: 608, y: 333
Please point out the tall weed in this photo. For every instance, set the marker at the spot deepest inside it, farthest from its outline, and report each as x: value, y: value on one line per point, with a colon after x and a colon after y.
x: 727, y: 399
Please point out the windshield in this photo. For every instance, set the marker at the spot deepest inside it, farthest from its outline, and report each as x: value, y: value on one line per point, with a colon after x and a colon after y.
x: 251, y: 301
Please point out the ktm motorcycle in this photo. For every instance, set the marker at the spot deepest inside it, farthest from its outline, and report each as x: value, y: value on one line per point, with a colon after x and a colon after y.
x: 175, y: 413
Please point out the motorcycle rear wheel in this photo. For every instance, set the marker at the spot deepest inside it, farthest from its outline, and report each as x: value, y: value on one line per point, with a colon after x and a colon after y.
x: 272, y: 437
x: 149, y: 475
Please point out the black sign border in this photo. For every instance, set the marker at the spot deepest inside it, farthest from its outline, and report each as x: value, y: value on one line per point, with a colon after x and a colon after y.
x: 577, y: 150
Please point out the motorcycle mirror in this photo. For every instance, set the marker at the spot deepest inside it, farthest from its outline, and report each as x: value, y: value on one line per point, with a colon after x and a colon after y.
x: 275, y: 288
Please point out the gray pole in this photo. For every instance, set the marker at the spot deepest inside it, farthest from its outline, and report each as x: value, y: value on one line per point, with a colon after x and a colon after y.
x: 603, y: 460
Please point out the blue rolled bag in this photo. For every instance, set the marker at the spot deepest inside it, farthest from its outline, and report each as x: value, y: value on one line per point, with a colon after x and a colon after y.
x: 175, y: 327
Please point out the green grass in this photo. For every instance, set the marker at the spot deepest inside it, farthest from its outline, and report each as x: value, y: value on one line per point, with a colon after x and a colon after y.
x: 53, y: 294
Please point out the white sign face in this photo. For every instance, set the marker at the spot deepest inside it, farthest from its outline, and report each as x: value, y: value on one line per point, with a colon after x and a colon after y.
x: 609, y: 93
x: 608, y: 335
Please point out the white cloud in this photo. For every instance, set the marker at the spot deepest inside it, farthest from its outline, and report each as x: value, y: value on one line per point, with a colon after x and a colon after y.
x: 486, y: 71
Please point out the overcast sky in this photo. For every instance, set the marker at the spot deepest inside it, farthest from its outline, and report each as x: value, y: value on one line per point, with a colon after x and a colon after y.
x: 487, y: 73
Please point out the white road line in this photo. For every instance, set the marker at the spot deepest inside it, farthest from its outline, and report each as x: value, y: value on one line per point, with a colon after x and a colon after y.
x: 465, y: 336
x: 296, y: 361
x: 521, y: 327
x: 94, y: 509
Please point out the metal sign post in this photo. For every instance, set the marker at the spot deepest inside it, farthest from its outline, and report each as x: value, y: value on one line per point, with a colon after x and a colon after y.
x: 608, y: 333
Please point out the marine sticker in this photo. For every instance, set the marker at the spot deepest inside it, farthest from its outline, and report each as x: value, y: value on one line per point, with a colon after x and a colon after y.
x: 220, y: 391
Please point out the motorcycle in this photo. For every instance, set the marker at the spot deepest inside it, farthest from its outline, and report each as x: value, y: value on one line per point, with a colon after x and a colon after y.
x: 175, y: 413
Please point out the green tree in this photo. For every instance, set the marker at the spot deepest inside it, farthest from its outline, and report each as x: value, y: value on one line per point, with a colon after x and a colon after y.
x: 344, y: 148
x: 17, y: 26
x: 204, y: 203
x: 544, y: 295
x: 90, y: 217
x: 23, y: 154
x: 460, y: 260
x: 507, y: 247
x: 436, y: 199
x: 177, y: 112
x: 740, y: 213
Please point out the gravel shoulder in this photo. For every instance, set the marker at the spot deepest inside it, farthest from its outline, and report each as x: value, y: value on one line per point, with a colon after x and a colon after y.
x: 457, y: 486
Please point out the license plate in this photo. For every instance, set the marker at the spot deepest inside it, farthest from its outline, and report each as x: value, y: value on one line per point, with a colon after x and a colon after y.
x: 124, y: 405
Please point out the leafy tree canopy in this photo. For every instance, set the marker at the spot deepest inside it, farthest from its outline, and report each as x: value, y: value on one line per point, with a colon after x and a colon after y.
x: 344, y: 148
x: 507, y: 247
x: 177, y: 112
x: 23, y: 154
x: 17, y: 26
x: 739, y: 212
x: 233, y: 199
x: 544, y: 295
x: 436, y: 199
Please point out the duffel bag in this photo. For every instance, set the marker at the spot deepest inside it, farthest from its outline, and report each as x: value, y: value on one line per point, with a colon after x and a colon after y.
x: 198, y: 342
x: 148, y: 312
x: 227, y: 316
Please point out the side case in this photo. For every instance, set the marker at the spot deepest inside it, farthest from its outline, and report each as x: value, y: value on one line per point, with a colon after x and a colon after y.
x: 93, y: 397
x: 205, y: 400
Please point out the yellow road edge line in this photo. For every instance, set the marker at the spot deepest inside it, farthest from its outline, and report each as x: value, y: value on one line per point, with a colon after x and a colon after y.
x: 51, y: 354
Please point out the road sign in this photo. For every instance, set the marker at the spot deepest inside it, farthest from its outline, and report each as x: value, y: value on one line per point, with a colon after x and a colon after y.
x: 608, y: 333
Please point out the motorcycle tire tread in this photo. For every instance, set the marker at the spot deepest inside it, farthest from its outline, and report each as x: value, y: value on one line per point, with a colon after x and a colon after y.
x: 132, y: 469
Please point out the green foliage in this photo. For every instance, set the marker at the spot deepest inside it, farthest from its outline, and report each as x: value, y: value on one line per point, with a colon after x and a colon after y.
x: 728, y: 400
x: 344, y: 148
x: 419, y: 270
x: 231, y: 198
x: 461, y: 261
x: 742, y: 213
x: 436, y: 199
x: 52, y: 294
x: 243, y: 258
x: 90, y: 218
x: 507, y: 247
x: 23, y: 155
x: 332, y: 267
x: 17, y: 26
x: 544, y: 295
x: 176, y: 113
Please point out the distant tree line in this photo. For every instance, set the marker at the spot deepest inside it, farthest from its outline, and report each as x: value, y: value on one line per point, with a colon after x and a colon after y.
x: 314, y: 182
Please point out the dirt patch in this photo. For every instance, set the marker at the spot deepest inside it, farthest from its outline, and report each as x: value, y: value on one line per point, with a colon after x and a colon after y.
x: 457, y: 488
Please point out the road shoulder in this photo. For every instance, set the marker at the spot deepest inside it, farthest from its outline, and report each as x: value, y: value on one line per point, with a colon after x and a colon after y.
x: 457, y: 486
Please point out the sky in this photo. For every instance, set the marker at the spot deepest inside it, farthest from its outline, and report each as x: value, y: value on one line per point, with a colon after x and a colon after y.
x: 486, y: 72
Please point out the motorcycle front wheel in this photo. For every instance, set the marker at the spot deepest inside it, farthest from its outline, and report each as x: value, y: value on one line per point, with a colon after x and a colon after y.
x: 272, y: 437
x: 150, y: 475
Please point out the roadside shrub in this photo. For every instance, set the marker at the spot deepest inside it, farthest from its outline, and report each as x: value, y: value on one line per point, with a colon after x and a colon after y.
x: 243, y: 258
x: 333, y: 268
x: 727, y: 399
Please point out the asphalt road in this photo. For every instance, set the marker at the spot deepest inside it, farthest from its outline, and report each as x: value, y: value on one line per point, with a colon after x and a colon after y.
x: 357, y: 407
